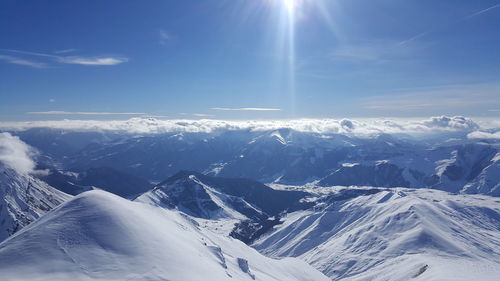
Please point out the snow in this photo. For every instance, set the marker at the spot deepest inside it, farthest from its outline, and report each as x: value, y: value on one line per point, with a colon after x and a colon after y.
x: 23, y: 199
x: 393, y: 235
x: 100, y: 236
x: 215, y: 206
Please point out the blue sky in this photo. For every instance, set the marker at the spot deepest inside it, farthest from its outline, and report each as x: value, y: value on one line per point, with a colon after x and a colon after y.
x: 256, y: 59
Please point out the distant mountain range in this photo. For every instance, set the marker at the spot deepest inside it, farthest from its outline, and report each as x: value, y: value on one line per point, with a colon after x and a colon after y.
x: 448, y: 161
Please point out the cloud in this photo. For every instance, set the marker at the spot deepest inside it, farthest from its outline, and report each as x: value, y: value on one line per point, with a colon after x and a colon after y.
x: 245, y: 109
x: 360, y: 52
x: 92, y: 61
x: 438, y: 28
x: 456, y: 122
x: 360, y: 128
x: 484, y: 135
x: 84, y: 113
x: 164, y: 37
x: 80, y: 60
x: 24, y: 62
x: 411, y: 39
x: 202, y: 115
x: 66, y: 51
x: 155, y: 116
x: 433, y: 98
x: 482, y: 11
x: 16, y: 154
x: 374, y: 51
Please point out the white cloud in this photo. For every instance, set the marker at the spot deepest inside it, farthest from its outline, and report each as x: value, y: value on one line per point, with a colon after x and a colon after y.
x: 16, y: 154
x: 24, y: 62
x: 92, y: 61
x: 245, y: 109
x: 55, y: 112
x: 484, y: 135
x: 361, y: 127
x: 202, y: 115
x: 80, y: 60
x: 456, y: 122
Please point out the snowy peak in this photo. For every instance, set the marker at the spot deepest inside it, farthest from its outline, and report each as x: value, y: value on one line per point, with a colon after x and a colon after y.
x: 393, y: 234
x: 100, y: 236
x: 488, y: 180
x: 187, y: 193
x: 24, y: 199
x: 211, y: 197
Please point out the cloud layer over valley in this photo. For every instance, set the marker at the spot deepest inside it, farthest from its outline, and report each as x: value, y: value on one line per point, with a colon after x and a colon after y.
x: 487, y: 129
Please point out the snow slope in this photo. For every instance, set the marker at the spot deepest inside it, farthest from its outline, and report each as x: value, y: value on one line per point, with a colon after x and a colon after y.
x: 24, y: 199
x: 208, y: 197
x: 488, y: 181
x: 395, y: 234
x: 100, y: 236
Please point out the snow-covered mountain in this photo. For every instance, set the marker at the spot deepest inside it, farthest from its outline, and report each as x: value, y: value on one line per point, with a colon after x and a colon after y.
x: 100, y: 236
x: 214, y: 197
x: 488, y: 180
x: 359, y: 207
x: 23, y: 199
x: 393, y: 234
x: 449, y: 160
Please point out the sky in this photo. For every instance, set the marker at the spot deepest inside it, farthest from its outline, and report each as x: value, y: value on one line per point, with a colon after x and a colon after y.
x: 248, y: 59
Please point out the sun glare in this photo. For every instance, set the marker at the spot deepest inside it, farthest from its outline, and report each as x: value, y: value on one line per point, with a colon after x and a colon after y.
x: 290, y: 6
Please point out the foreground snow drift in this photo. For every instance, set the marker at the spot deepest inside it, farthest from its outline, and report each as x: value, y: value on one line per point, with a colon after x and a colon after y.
x: 100, y: 236
x: 396, y: 234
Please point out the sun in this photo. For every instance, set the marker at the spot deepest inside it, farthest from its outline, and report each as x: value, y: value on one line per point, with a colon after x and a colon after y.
x: 290, y: 6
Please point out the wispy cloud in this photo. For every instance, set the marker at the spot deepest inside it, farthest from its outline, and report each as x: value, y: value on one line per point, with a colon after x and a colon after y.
x: 92, y: 60
x: 418, y: 36
x: 21, y: 61
x: 365, y: 53
x: 202, y: 115
x: 84, y: 113
x: 427, y: 32
x: 80, y: 60
x: 435, y: 98
x: 376, y: 51
x: 65, y: 51
x: 164, y: 37
x: 197, y: 114
x: 482, y: 11
x: 245, y: 109
x: 155, y: 116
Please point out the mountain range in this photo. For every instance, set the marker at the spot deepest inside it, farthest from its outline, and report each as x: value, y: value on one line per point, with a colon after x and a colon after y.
x: 244, y: 204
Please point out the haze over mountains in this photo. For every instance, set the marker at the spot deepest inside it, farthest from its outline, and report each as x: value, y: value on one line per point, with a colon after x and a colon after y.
x: 331, y: 200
